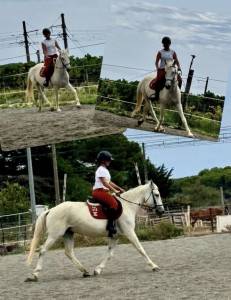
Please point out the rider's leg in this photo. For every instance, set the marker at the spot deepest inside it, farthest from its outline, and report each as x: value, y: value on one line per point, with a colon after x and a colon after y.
x: 111, y: 203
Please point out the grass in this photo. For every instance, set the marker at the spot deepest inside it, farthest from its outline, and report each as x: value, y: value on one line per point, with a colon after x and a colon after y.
x: 87, y: 95
x: 171, y: 119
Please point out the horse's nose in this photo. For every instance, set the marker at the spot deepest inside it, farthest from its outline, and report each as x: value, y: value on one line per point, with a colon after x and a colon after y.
x: 167, y: 86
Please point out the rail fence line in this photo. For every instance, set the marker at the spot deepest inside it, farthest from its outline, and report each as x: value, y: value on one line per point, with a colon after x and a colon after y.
x: 171, y: 110
x: 183, y: 93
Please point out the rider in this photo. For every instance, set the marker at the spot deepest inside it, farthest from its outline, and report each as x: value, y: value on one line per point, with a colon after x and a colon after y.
x: 164, y: 54
x: 104, y: 189
x: 49, y: 46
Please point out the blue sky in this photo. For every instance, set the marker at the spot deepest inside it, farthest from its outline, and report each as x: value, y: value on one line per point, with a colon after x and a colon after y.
x: 195, y: 28
x: 85, y: 19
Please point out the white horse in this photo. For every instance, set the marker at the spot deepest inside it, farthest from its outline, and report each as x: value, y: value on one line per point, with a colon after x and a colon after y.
x: 170, y: 94
x: 74, y: 217
x: 59, y: 79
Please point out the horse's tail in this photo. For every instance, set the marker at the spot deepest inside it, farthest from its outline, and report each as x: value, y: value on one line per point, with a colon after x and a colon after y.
x: 29, y: 89
x: 139, y: 100
x: 40, y: 228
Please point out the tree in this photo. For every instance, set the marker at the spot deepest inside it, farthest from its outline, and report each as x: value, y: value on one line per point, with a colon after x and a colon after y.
x: 13, y: 199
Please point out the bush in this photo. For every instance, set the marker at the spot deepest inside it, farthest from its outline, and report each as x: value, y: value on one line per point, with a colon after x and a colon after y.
x: 162, y: 231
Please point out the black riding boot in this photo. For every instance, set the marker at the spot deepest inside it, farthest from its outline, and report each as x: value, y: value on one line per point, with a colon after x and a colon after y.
x: 111, y: 223
x: 111, y: 227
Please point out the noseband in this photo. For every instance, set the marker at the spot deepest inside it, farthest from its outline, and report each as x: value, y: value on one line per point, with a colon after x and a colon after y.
x: 63, y: 63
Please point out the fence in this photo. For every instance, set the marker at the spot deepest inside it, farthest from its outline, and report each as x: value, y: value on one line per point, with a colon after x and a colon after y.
x: 15, y: 229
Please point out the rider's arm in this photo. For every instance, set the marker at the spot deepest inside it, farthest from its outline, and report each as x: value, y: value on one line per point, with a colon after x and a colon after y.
x: 176, y: 60
x: 44, y: 49
x: 57, y: 45
x: 117, y: 187
x: 108, y: 185
x: 158, y: 57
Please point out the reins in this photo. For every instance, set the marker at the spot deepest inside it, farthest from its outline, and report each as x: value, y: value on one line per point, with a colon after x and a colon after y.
x: 141, y: 204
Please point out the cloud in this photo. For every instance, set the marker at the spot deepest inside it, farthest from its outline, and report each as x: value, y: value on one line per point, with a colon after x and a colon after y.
x: 186, y: 27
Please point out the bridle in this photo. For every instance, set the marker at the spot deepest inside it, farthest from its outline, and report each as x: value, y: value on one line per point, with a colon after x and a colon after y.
x: 143, y: 205
x: 174, y: 79
x: 63, y: 63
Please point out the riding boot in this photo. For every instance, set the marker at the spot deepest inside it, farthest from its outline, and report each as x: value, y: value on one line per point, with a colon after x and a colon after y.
x: 46, y: 82
x: 111, y: 222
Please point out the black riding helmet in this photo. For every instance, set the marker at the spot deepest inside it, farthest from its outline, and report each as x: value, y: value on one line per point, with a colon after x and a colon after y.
x: 46, y: 31
x: 104, y: 156
x: 166, y: 40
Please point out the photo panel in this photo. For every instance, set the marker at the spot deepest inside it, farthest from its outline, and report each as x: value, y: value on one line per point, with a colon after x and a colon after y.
x: 187, y: 97
x: 34, y: 64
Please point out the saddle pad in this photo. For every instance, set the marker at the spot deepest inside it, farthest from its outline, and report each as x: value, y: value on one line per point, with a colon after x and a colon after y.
x: 97, y: 211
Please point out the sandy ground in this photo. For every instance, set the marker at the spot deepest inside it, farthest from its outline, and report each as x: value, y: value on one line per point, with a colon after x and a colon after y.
x: 126, y: 122
x: 21, y: 128
x: 191, y: 268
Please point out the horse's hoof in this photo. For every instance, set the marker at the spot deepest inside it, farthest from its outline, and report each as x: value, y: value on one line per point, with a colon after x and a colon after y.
x: 31, y: 279
x: 156, y: 269
x: 96, y: 273
x: 140, y: 122
x: 52, y: 109
x: 190, y: 135
x: 78, y: 106
x: 58, y: 110
x: 86, y: 274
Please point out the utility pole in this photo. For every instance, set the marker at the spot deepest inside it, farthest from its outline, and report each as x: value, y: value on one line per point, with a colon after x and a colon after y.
x: 206, y: 85
x: 64, y: 29
x: 56, y: 176
x: 31, y: 185
x: 28, y: 150
x: 222, y: 198
x: 145, y: 164
x: 189, y: 82
x: 137, y: 173
x: 38, y: 56
x: 26, y: 42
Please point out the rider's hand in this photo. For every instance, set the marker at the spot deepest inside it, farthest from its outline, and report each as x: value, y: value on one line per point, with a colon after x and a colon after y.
x: 179, y: 72
x: 117, y: 193
x: 122, y: 190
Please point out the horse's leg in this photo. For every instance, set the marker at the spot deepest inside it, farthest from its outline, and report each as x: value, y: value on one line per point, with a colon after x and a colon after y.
x: 139, y: 101
x: 159, y: 125
x: 145, y: 112
x: 49, y: 242
x: 57, y: 99
x: 42, y: 97
x: 183, y: 119
x: 111, y: 245
x: 153, y: 112
x: 69, y: 251
x: 131, y: 235
x: 71, y: 88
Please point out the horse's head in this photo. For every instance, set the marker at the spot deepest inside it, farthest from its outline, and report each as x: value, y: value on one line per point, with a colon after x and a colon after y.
x: 170, y: 73
x: 64, y: 58
x: 154, y: 200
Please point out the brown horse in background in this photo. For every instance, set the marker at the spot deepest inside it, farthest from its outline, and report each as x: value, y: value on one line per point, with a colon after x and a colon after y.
x: 208, y: 214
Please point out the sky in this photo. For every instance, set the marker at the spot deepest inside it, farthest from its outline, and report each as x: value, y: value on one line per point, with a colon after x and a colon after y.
x: 86, y: 21
x: 200, y: 29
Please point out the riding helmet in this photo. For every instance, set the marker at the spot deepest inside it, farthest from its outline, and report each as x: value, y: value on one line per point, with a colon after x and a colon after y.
x: 104, y: 156
x: 46, y: 31
x: 166, y: 40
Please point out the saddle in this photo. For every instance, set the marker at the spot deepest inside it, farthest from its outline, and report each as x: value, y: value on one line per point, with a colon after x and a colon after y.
x: 99, y: 211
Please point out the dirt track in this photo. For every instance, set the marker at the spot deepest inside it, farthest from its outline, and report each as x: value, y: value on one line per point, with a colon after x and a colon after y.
x: 191, y: 268
x: 21, y: 128
x: 126, y: 122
